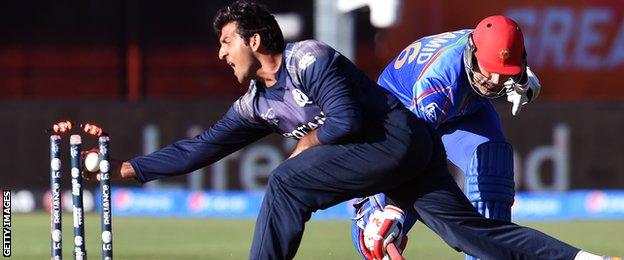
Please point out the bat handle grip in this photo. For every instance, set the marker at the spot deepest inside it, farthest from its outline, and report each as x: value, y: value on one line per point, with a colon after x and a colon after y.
x: 393, y: 252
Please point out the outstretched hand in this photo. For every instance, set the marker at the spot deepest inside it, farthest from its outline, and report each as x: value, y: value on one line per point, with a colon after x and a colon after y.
x: 119, y: 170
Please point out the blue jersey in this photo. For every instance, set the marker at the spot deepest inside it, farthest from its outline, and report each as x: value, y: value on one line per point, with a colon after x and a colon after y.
x: 428, y: 77
x: 315, y: 86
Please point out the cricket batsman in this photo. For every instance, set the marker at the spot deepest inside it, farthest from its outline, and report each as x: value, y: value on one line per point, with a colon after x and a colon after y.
x: 448, y: 80
x: 355, y: 140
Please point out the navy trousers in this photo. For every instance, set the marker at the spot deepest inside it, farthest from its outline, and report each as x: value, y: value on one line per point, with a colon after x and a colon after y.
x: 400, y: 156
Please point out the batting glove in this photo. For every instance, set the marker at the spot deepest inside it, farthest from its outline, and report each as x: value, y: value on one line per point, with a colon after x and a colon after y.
x: 520, y: 95
x: 384, y: 227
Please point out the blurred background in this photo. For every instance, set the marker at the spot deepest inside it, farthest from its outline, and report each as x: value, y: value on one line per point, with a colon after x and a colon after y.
x: 148, y: 73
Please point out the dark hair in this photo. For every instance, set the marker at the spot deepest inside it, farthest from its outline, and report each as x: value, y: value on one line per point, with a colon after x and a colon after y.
x: 251, y: 18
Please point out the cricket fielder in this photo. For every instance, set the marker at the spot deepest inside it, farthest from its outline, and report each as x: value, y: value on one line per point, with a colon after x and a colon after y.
x: 448, y: 80
x: 355, y: 140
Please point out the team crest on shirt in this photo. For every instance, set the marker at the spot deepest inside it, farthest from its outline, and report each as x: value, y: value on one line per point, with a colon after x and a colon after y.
x: 269, y: 116
x: 430, y: 111
x: 300, y: 97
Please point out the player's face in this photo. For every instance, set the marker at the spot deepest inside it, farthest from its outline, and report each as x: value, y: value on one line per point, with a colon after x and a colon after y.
x: 488, y: 83
x: 236, y: 53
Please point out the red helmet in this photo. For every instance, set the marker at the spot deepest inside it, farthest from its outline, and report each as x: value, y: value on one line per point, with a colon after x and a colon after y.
x: 499, y: 45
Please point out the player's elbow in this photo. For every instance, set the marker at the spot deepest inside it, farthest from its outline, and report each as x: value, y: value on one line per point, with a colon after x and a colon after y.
x: 337, y: 130
x: 354, y: 126
x: 349, y: 127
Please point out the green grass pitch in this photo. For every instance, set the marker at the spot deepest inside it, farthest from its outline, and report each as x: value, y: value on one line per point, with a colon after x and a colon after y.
x: 178, y: 238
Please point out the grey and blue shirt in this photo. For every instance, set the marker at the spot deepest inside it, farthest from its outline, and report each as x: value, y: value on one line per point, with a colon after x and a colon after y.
x: 316, y: 87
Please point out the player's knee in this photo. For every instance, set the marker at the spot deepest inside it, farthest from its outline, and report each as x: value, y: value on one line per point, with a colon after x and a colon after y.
x: 282, y: 172
x: 282, y: 184
x: 276, y: 179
